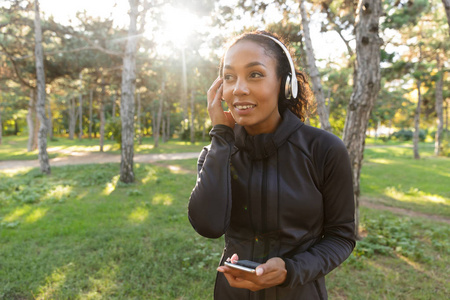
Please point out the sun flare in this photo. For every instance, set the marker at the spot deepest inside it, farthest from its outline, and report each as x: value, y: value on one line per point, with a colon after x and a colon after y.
x: 177, y: 26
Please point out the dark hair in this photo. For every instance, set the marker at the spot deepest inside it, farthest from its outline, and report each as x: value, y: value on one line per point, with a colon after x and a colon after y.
x: 298, y: 105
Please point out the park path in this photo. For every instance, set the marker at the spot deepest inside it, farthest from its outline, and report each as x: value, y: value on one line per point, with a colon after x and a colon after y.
x: 83, y: 158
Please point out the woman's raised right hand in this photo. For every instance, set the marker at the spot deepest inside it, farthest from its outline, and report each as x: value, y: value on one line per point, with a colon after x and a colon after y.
x: 215, y: 111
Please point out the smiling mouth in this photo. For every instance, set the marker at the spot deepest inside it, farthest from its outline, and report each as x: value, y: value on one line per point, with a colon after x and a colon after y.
x: 244, y: 107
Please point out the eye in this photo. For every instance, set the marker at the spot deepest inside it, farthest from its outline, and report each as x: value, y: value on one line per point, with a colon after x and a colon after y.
x: 227, y: 77
x: 256, y: 75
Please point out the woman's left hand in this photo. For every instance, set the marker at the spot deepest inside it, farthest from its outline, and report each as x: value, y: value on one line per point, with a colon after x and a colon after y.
x: 267, y: 275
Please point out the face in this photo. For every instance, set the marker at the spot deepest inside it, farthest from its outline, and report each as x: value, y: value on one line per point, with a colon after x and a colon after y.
x: 251, y: 87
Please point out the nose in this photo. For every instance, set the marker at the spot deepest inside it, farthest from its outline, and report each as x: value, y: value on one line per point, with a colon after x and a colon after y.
x: 240, y: 88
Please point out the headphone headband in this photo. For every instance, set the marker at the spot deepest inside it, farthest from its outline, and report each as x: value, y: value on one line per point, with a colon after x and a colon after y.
x: 294, y: 88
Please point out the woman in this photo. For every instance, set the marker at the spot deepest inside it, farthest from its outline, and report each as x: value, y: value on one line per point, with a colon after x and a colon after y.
x: 280, y: 190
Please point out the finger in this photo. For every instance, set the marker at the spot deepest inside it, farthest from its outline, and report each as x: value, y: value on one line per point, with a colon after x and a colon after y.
x: 272, y: 265
x: 218, y: 96
x: 212, y: 92
x: 234, y: 258
x: 236, y: 273
x: 242, y: 283
x: 230, y: 117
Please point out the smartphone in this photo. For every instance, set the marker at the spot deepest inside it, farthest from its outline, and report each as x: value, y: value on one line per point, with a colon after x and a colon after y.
x: 244, y: 265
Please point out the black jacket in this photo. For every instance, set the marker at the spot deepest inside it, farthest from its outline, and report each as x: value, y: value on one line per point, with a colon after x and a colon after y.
x: 288, y: 194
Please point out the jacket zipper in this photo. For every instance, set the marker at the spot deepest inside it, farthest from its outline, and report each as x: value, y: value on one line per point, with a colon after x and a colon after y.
x: 264, y: 207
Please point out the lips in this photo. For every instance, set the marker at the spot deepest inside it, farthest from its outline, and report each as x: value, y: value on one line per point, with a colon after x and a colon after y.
x: 244, y: 107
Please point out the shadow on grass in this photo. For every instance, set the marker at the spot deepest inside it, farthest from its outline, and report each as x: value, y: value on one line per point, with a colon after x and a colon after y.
x: 131, y: 241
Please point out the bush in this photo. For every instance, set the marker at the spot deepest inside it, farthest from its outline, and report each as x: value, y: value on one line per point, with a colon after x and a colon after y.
x: 407, y: 135
x: 113, y: 128
x: 186, y: 134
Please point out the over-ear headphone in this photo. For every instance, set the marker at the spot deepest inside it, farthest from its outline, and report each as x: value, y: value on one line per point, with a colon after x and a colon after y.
x: 290, y: 87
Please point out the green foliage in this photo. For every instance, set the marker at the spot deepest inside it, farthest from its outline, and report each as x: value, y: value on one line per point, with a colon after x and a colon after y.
x: 407, y: 135
x: 390, y: 235
x: 113, y: 128
x: 186, y: 134
x: 403, y: 13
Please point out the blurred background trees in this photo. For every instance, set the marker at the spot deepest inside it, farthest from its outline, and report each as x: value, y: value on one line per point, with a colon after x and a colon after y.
x: 180, y: 44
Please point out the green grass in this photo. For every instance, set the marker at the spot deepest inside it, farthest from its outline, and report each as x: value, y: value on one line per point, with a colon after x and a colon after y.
x: 80, y: 234
x: 391, y: 176
x: 400, y: 258
x: 15, y: 147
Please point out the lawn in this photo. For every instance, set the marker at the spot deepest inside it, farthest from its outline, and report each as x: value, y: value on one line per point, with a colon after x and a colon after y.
x: 391, y: 176
x: 80, y: 234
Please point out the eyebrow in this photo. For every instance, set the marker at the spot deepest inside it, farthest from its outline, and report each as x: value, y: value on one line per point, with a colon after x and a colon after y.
x: 249, y: 65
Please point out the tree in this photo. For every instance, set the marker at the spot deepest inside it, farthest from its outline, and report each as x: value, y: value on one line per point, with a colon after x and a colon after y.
x: 40, y: 104
x: 160, y: 112
x: 439, y: 108
x: 366, y: 88
x: 102, y: 114
x: 128, y: 88
x: 80, y: 108
x: 91, y: 96
x: 314, y: 72
x: 417, y: 120
x: 1, y: 123
x: 447, y: 11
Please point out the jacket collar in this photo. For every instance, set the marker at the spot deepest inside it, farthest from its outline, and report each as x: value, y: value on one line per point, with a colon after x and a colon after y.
x: 264, y: 145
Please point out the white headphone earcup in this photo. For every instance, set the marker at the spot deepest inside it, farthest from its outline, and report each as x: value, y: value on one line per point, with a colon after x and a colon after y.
x: 287, y: 87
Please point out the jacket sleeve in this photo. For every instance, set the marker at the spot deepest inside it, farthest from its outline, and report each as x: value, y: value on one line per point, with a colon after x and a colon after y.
x: 209, y: 207
x: 338, y: 238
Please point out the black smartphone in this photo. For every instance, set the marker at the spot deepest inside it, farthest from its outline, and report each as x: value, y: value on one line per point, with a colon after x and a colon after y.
x: 243, y: 265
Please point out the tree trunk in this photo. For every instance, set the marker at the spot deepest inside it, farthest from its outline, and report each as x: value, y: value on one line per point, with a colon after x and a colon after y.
x: 127, y: 98
x: 36, y: 123
x: 184, y: 95
x: 102, y: 116
x: 192, y: 127
x: 72, y: 118
x: 30, y: 122
x: 447, y: 11
x: 80, y: 110
x: 163, y: 128
x: 417, y: 121
x: 153, y: 122
x: 439, y: 111
x: 203, y: 132
x: 446, y: 117
x: 1, y: 126
x: 114, y: 105
x: 40, y: 104
x: 314, y: 72
x: 367, y: 86
x: 50, y: 121
x: 139, y: 129
x: 113, y: 112
x: 167, y: 127
x: 91, y: 96
x: 159, y: 115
